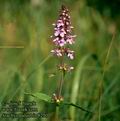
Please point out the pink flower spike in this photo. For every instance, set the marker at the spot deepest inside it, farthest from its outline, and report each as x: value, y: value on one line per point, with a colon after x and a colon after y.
x: 63, y: 34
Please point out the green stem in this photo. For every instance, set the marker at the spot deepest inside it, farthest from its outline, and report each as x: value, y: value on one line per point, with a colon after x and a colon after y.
x: 55, y: 115
x: 61, y: 84
x: 61, y: 79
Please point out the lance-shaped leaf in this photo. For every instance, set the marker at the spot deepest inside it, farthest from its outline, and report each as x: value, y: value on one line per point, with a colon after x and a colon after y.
x: 41, y: 96
x: 76, y: 106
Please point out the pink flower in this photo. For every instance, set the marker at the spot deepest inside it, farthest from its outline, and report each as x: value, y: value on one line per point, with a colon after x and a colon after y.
x: 62, y: 34
x: 59, y: 23
x: 70, y: 39
x: 57, y: 52
x: 61, y: 42
x: 70, y: 54
x: 57, y: 32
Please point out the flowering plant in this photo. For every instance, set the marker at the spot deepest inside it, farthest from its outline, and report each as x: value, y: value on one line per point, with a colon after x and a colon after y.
x: 61, y: 39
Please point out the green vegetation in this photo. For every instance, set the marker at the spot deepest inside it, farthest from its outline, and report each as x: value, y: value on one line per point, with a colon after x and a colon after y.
x: 26, y: 65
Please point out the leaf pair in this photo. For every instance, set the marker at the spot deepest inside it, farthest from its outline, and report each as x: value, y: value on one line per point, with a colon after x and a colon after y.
x: 49, y: 99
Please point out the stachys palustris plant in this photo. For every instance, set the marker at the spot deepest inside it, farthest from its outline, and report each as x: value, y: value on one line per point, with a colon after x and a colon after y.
x: 61, y: 39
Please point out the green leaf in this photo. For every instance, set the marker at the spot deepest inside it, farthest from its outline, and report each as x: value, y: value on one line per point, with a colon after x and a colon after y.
x: 41, y: 96
x: 77, y: 83
x: 48, y: 99
x: 76, y: 106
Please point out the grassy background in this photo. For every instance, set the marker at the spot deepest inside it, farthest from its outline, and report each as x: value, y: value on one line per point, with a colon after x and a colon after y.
x: 28, y: 23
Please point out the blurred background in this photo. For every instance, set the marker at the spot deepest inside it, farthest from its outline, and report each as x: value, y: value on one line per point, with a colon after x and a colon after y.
x: 25, y: 45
